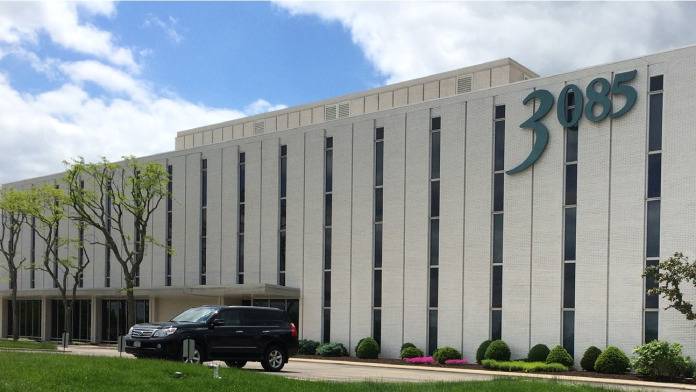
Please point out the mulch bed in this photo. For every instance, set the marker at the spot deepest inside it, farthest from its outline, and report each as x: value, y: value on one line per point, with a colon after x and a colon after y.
x: 475, y: 366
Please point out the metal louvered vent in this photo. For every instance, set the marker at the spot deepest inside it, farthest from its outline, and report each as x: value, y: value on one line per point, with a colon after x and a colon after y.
x: 259, y: 127
x: 330, y: 112
x: 343, y: 109
x: 464, y: 84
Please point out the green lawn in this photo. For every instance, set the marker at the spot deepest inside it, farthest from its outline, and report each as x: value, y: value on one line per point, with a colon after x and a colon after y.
x: 26, y: 344
x: 60, y: 372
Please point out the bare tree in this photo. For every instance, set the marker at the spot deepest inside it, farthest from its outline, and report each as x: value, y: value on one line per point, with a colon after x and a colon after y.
x: 119, y: 204
x: 13, y: 207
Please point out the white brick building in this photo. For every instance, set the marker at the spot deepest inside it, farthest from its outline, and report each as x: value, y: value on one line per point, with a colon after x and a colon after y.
x: 395, y: 225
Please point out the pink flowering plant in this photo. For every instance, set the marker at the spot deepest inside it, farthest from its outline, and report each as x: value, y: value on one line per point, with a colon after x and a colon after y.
x: 419, y: 360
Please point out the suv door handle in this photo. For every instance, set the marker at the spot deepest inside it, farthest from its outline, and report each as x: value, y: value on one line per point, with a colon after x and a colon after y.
x: 265, y: 331
x: 239, y: 331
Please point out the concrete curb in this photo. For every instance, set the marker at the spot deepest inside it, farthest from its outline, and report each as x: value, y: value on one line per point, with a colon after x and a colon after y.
x: 608, y: 382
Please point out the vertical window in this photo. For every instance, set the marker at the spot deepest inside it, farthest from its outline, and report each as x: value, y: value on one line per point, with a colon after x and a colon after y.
x: 328, y: 194
x: 107, y: 251
x: 434, y: 233
x: 377, y: 243
x: 204, y: 222
x: 240, y: 222
x: 569, y: 224
x: 653, y: 193
x: 56, y: 234
x: 80, y: 247
x: 283, y: 212
x: 497, y: 219
x: 32, y: 254
x: 168, y: 253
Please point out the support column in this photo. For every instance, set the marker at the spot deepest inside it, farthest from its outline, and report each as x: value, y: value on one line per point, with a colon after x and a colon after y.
x: 152, y: 316
x: 94, y: 320
x: 45, y: 319
x: 3, y: 317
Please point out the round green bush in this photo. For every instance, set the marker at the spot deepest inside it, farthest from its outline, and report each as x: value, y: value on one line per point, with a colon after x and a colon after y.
x: 442, y: 354
x: 690, y: 370
x: 367, y: 348
x: 538, y: 353
x: 332, y: 350
x: 411, y: 352
x: 589, y: 358
x: 407, y: 344
x: 307, y: 347
x: 497, y: 350
x: 658, y: 359
x: 612, y: 360
x: 559, y: 354
x: 481, y: 351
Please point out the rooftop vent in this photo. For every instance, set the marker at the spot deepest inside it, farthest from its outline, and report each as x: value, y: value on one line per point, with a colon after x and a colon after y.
x: 463, y: 84
x: 259, y: 127
x: 336, y: 111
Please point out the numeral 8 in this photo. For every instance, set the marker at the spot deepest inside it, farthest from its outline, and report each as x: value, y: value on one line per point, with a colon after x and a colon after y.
x: 600, y: 97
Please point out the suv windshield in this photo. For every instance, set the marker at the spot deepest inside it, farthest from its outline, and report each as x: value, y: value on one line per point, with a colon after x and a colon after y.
x: 195, y: 315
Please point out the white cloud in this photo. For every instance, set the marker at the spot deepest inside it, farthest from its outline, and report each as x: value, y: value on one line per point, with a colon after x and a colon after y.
x: 168, y: 26
x: 261, y: 106
x: 405, y: 40
x: 109, y: 78
x: 24, y: 22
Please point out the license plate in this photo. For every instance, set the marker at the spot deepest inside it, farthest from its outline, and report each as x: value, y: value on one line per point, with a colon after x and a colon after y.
x: 136, y: 344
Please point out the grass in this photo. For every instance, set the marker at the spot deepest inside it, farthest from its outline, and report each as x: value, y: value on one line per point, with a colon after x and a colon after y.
x: 39, y: 372
x: 26, y: 344
x: 522, y: 366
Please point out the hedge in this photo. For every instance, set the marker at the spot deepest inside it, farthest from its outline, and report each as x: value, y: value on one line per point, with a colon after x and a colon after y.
x: 538, y: 353
x: 559, y: 355
x: 589, y: 358
x: 367, y: 348
x: 522, y: 366
x: 612, y: 360
x: 498, y: 350
x: 481, y: 351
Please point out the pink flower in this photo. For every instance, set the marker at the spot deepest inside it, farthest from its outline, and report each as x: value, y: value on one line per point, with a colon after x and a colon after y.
x: 456, y: 362
x: 419, y: 360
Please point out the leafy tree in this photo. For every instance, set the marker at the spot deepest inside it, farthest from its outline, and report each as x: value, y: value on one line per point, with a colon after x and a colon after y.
x: 669, y: 275
x: 119, y: 203
x: 13, y: 207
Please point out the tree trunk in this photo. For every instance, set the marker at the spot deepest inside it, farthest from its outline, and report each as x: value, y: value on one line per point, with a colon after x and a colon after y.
x: 67, y: 317
x: 130, y: 304
x: 15, y: 309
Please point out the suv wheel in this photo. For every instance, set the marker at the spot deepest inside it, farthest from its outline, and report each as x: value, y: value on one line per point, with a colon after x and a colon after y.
x: 274, y: 359
x: 197, y: 357
x: 236, y: 364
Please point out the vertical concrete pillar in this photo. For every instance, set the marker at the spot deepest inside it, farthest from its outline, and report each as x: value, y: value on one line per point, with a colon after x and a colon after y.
x: 152, y: 316
x: 94, y: 320
x: 45, y: 319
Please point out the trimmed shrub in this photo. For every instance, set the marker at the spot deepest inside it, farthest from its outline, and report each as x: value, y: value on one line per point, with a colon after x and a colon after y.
x: 367, y: 348
x: 612, y: 360
x: 405, y: 345
x: 497, y: 350
x: 589, y: 358
x: 559, y: 355
x: 690, y: 370
x: 522, y: 366
x: 442, y: 354
x: 481, y: 351
x: 332, y: 350
x: 411, y: 352
x: 538, y: 353
x: 307, y: 347
x: 660, y: 360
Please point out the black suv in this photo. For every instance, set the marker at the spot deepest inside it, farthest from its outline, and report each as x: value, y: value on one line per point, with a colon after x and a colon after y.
x: 234, y: 334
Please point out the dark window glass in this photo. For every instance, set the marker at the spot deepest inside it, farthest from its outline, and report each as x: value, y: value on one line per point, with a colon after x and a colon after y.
x: 655, y: 124
x: 570, y: 98
x: 377, y: 325
x: 379, y: 133
x: 651, y: 326
x: 498, y: 191
x: 572, y: 144
x: 434, y: 241
x: 377, y: 289
x: 569, y: 234
x: 328, y: 186
x: 654, y: 175
x: 328, y: 202
x: 327, y: 248
x: 652, y: 301
x: 204, y: 223
x: 656, y: 83
x: 232, y: 317
x: 240, y: 278
x: 242, y: 157
x: 283, y: 213
x: 499, y: 153
x: 379, y: 163
x: 242, y: 183
x: 283, y: 177
x: 433, y: 287
x: 653, y: 229
x: 241, y: 218
x: 326, y: 333
x: 499, y: 111
x: 496, y: 324
x: 204, y: 183
x: 571, y: 184
x: 329, y: 142
x: 435, y: 198
x: 497, y: 293
x: 281, y: 246
x: 498, y: 238
x: 283, y: 150
x: 432, y: 330
x: 569, y: 331
x: 379, y: 204
x: 281, y: 279
x: 378, y: 245
x: 569, y: 285
x: 435, y: 123
x: 240, y: 253
x: 327, y: 289
x: 435, y: 155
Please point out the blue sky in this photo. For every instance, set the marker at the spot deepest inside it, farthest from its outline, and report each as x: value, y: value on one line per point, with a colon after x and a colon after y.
x: 109, y: 79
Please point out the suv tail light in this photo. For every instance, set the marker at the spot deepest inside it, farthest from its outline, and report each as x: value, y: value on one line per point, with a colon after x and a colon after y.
x: 293, y: 330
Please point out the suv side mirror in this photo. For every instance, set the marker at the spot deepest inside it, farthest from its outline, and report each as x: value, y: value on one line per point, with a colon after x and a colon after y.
x: 218, y: 322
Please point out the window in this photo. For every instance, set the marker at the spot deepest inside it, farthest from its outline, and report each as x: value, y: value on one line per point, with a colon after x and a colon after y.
x: 569, y: 228
x: 434, y: 232
x: 654, y: 175
x: 204, y: 222
x: 569, y: 331
x: 652, y: 301
x: 569, y: 234
x: 232, y: 317
x: 497, y: 207
x: 282, y: 230
x: 107, y: 251
x: 32, y: 254
x: 170, y: 211
x: 29, y: 323
x: 498, y: 239
x: 653, y: 229
x: 651, y: 325
x: 240, y: 220
x: 328, y: 208
x: 497, y: 297
x: 377, y: 241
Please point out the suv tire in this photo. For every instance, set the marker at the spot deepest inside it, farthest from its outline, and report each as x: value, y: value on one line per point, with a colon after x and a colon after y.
x: 274, y: 359
x: 235, y: 364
